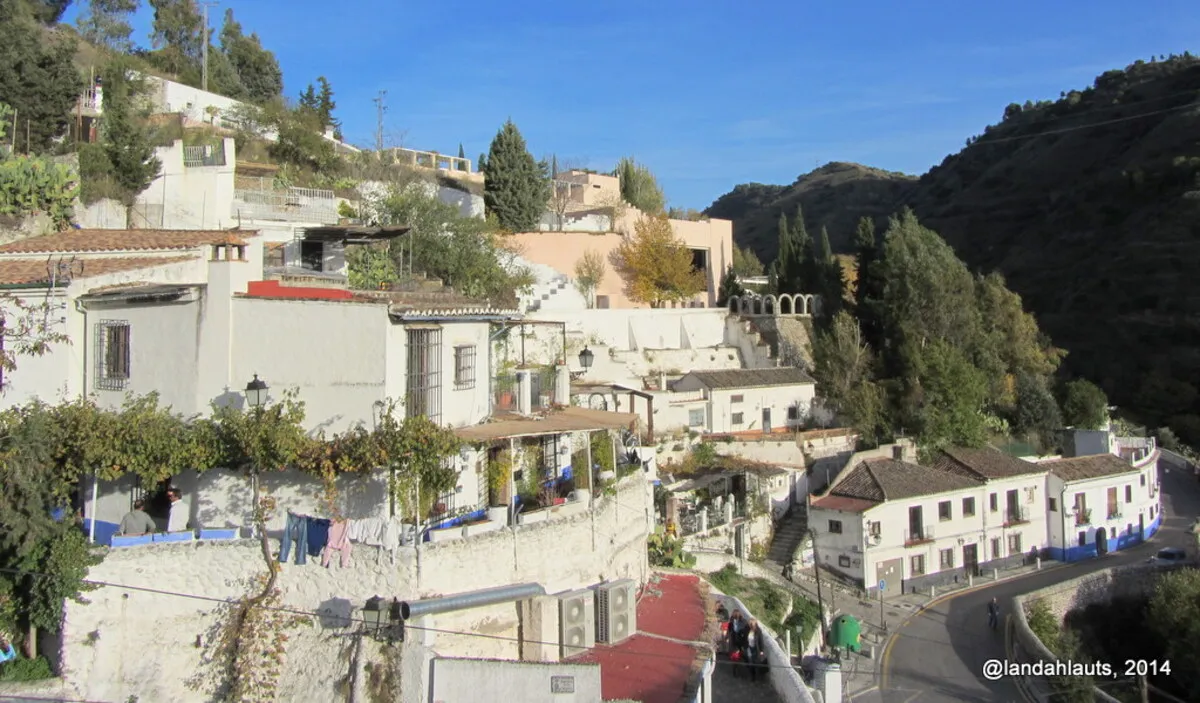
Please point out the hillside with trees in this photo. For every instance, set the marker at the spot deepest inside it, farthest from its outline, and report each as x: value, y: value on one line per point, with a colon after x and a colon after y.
x: 1089, y: 206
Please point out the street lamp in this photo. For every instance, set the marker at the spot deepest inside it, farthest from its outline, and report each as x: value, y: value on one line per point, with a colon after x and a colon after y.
x: 256, y: 393
x: 586, y: 357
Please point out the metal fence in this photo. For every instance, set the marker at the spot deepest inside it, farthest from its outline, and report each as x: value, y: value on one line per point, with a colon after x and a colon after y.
x: 304, y: 204
x: 203, y: 155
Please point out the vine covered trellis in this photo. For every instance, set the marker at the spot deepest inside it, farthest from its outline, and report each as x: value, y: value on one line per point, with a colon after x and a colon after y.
x: 47, y: 450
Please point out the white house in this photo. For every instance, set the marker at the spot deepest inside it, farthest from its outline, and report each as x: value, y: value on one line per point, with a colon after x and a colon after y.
x: 747, y: 400
x: 908, y: 526
x: 1101, y: 503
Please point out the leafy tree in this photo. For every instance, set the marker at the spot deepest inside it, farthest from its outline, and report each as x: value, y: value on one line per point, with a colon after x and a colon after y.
x: 370, y: 267
x: 730, y: 287
x: 300, y: 143
x: 467, y: 253
x: 841, y: 362
x: 1174, y: 614
x: 177, y: 34
x: 657, y: 267
x: 668, y: 551
x: 39, y: 81
x: 1084, y: 405
x: 1037, y: 413
x: 326, y: 104
x: 257, y: 69
x: 589, y: 274
x: 48, y: 11
x: 868, y: 288
x: 951, y: 394
x: 746, y: 263
x: 124, y: 132
x: 515, y: 189
x: 1012, y: 344
x: 106, y: 24
x: 639, y: 187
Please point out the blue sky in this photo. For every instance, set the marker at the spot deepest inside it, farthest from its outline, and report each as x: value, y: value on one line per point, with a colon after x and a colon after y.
x: 707, y: 93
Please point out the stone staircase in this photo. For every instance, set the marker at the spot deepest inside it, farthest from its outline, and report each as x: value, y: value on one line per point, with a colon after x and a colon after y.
x: 551, y: 290
x: 545, y: 292
x: 789, y: 535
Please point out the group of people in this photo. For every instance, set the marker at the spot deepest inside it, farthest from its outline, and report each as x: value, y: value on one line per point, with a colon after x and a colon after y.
x: 743, y: 640
x: 139, y: 522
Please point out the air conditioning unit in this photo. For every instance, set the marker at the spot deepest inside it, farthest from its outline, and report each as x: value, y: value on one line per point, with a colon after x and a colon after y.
x: 576, y: 622
x: 616, y: 611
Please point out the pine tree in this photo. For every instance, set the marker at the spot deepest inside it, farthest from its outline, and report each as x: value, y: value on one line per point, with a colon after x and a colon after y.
x: 516, y: 189
x: 177, y: 30
x: 106, y: 23
x: 462, y: 154
x: 326, y: 104
x: 45, y: 84
x: 126, y: 137
x: 730, y: 287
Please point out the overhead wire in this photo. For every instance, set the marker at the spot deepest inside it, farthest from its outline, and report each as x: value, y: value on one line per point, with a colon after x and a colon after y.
x: 985, y: 139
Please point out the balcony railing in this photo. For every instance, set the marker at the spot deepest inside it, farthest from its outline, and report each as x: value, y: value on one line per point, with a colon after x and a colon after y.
x: 921, y: 536
x: 295, y: 204
x: 1115, y: 514
x: 204, y: 155
x: 91, y: 101
x: 1083, y: 517
x: 1016, y: 515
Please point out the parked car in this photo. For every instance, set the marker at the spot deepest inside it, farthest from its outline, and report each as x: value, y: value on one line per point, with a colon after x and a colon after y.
x: 1168, y: 555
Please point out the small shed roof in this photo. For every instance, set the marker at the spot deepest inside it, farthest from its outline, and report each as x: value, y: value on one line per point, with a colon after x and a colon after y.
x: 569, y: 419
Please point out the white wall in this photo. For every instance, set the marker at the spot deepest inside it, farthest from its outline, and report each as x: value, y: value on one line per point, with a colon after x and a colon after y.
x: 893, y: 516
x: 67, y: 368
x: 722, y: 409
x: 669, y: 328
x: 335, y: 353
x: 99, y: 635
x: 188, y: 197
x: 464, y: 680
x: 1143, y: 484
x: 193, y: 103
x: 105, y: 213
x: 460, y: 406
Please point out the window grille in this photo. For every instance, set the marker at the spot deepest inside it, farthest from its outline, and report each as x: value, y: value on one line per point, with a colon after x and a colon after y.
x: 112, y: 355
x: 424, y: 395
x: 464, y: 367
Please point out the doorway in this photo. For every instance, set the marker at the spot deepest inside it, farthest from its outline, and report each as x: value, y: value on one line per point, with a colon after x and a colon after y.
x: 766, y: 425
x: 971, y: 558
x: 1101, y: 541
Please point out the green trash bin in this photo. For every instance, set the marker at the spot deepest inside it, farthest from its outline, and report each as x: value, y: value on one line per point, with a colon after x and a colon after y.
x: 846, y: 633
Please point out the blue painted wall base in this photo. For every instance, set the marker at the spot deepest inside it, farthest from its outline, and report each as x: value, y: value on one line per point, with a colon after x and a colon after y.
x: 1116, y: 544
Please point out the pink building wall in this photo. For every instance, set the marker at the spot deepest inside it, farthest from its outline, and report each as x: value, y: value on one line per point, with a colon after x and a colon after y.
x: 561, y: 250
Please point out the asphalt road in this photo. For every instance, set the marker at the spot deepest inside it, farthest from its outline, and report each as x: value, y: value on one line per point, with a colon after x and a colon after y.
x: 938, y: 656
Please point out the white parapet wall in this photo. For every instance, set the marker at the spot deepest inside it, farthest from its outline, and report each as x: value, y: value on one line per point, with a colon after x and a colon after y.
x: 167, y: 599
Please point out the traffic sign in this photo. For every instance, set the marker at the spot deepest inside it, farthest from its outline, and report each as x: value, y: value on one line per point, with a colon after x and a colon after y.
x: 882, y: 585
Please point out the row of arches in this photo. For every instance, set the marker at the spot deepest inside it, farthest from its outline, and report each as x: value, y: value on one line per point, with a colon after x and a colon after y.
x: 803, y: 304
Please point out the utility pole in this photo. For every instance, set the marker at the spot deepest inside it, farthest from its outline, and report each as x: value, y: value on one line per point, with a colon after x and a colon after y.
x: 1143, y: 688
x: 820, y: 600
x: 380, y: 108
x: 204, y: 46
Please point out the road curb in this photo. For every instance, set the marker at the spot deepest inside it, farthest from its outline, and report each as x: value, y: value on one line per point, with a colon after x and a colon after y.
x: 886, y: 652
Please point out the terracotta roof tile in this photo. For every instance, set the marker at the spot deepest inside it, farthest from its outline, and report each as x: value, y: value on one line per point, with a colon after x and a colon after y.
x: 752, y: 378
x: 887, y: 479
x: 85, y: 240
x: 985, y: 463
x: 29, y: 271
x: 1083, y: 468
x: 843, y: 504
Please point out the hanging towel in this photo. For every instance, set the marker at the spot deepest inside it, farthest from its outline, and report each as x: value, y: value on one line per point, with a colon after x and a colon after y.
x: 339, y: 541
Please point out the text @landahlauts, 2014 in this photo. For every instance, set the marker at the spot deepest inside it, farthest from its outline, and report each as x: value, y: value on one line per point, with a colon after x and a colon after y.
x: 996, y: 669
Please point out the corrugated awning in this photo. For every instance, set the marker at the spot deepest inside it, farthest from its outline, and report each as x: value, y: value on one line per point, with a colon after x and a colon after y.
x: 354, y: 234
x: 570, y: 419
x: 139, y: 294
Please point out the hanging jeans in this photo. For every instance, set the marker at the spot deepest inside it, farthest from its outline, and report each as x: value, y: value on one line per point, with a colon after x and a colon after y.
x: 296, y: 530
x: 318, y: 535
x: 339, y: 541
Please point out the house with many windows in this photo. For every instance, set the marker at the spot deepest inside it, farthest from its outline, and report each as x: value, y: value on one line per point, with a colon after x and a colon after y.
x: 1101, y: 503
x: 743, y: 400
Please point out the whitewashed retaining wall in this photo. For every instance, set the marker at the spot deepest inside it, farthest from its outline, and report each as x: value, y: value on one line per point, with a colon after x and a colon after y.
x: 153, y: 645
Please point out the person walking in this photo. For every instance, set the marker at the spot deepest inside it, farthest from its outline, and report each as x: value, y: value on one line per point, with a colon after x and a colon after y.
x: 993, y: 613
x: 752, y: 650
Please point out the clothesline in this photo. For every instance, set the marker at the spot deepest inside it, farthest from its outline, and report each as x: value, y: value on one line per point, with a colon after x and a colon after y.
x: 324, y: 537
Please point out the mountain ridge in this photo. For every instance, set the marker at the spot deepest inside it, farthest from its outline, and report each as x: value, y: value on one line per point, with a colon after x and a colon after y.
x: 1089, y: 206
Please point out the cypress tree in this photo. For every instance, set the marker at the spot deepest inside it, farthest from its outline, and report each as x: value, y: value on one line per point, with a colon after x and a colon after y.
x: 779, y: 267
x: 125, y: 134
x: 832, y: 288
x: 515, y: 188
x: 869, y: 288
x: 462, y: 154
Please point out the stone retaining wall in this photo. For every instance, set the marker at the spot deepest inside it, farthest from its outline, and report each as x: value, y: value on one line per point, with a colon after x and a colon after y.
x: 1062, y: 598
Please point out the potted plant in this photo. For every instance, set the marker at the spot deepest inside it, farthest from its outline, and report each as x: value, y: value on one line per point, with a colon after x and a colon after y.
x: 499, y: 472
